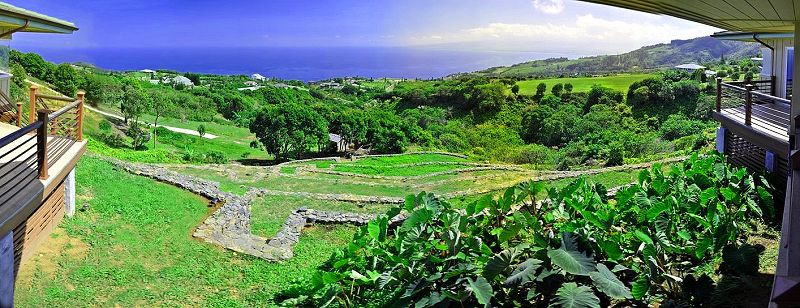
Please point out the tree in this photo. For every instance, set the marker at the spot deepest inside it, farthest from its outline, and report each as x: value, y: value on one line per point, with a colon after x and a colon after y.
x: 568, y: 88
x: 557, y: 89
x: 195, y: 78
x: 351, y: 126
x: 65, y: 79
x: 134, y: 101
x: 540, y: 89
x: 286, y: 129
x: 161, y: 103
x: 515, y: 89
x: 201, y: 130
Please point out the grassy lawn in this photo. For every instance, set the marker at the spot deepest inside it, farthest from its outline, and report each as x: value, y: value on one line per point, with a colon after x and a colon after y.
x: 133, y: 247
x: 619, y: 82
x: 270, y: 212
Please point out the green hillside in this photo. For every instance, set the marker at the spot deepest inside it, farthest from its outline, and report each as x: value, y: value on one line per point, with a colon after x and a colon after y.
x: 697, y: 50
x: 619, y: 82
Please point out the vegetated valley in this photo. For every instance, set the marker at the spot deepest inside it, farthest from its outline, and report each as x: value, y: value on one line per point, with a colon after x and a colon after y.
x: 544, y: 183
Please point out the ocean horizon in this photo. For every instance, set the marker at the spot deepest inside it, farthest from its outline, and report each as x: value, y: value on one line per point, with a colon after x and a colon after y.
x: 297, y: 63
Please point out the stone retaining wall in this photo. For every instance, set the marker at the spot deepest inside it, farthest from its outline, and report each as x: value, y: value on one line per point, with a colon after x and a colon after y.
x: 229, y: 226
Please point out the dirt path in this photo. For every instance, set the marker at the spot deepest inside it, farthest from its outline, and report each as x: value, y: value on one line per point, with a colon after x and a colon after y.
x: 111, y: 115
x: 174, y: 129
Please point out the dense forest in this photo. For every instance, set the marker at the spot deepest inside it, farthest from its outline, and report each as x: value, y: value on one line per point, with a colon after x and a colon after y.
x: 484, y: 117
x: 656, y: 57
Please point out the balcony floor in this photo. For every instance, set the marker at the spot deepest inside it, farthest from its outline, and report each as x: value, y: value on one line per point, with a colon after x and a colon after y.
x: 769, y: 129
x: 27, y: 199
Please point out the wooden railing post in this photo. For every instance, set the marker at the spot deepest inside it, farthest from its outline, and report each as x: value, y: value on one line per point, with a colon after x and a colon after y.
x: 772, y: 84
x: 719, y: 94
x: 81, y: 96
x: 748, y: 105
x: 19, y: 114
x: 41, y: 143
x: 32, y: 106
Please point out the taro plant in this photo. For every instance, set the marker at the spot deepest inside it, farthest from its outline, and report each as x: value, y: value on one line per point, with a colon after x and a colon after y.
x: 657, y: 240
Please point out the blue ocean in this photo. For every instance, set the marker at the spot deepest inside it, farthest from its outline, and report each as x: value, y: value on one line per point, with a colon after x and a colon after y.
x: 307, y: 64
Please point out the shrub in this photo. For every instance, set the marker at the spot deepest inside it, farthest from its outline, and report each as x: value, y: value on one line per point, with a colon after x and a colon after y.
x: 215, y: 157
x: 104, y: 125
x: 678, y: 125
x: 654, y: 242
x: 534, y: 154
x: 615, y: 155
x: 114, y: 140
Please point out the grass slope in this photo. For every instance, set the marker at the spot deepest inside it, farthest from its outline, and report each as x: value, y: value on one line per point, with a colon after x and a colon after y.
x: 584, y: 84
x: 133, y: 247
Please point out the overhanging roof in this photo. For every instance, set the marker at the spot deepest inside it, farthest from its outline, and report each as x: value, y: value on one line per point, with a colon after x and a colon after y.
x: 14, y: 17
x: 750, y: 36
x: 734, y: 15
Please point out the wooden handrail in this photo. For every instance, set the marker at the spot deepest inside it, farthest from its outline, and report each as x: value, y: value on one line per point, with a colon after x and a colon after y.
x: 41, y: 143
x: 81, y: 98
x: 32, y: 106
x: 748, y: 105
x: 19, y: 114
x: 719, y: 94
x: 55, y: 97
x: 8, y: 139
x: 64, y: 110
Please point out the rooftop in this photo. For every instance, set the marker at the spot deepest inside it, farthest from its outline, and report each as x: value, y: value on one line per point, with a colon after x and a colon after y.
x: 29, y: 21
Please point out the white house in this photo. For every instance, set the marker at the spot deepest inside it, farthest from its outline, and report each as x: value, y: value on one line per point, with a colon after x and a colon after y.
x: 258, y: 77
x: 182, y: 80
x: 250, y: 83
x: 690, y: 67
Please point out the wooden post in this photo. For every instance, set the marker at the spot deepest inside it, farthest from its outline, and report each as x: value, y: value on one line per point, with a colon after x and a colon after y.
x: 748, y: 105
x: 773, y: 82
x: 719, y: 94
x: 81, y: 95
x: 32, y: 106
x: 41, y: 143
x: 19, y: 114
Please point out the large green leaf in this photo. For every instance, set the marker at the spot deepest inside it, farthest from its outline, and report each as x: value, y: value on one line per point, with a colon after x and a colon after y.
x: 702, y: 246
x: 743, y: 260
x: 571, y: 261
x: 377, y: 228
x: 611, y: 248
x: 640, y: 287
x: 481, y: 289
x: 499, y: 263
x: 608, y: 283
x: 570, y: 295
x: 523, y: 273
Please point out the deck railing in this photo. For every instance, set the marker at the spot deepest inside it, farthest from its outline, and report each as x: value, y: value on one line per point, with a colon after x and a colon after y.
x: 764, y: 86
x: 30, y: 152
x: 734, y: 97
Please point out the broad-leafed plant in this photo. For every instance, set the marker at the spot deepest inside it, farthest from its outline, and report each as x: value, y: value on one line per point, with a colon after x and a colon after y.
x: 658, y: 240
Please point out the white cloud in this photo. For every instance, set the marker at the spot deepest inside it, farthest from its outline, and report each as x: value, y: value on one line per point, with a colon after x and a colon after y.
x: 585, y: 35
x: 549, y: 6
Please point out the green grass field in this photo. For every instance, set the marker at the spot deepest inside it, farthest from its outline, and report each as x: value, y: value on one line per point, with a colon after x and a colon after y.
x: 133, y: 247
x: 584, y: 84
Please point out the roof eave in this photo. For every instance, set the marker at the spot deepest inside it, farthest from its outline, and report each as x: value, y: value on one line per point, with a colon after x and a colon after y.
x: 36, y: 23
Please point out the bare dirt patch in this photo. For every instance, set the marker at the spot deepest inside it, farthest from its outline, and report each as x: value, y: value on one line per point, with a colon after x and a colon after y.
x: 58, y: 247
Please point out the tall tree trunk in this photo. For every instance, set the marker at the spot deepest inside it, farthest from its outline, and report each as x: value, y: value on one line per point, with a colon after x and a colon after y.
x: 155, y: 132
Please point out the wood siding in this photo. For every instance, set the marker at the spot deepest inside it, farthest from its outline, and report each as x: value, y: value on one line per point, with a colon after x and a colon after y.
x: 29, y: 234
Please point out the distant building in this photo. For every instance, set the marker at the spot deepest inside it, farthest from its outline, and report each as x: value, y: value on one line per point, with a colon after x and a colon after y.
x: 148, y: 71
x: 250, y: 83
x: 690, y: 67
x: 181, y: 80
x: 250, y: 88
x: 710, y: 73
x: 258, y: 77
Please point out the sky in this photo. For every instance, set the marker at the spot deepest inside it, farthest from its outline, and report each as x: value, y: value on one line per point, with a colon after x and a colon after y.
x: 545, y: 26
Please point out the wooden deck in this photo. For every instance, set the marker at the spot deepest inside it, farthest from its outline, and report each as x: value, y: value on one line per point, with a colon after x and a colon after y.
x: 769, y: 127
